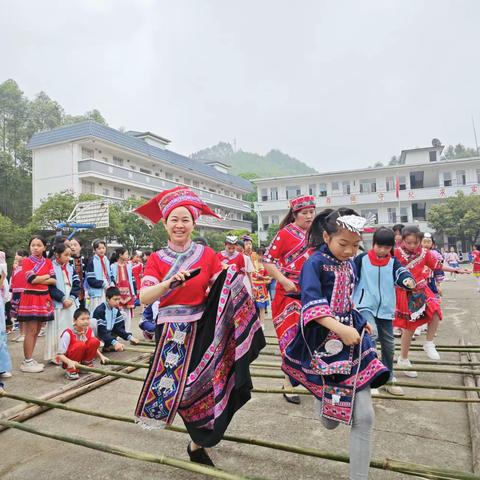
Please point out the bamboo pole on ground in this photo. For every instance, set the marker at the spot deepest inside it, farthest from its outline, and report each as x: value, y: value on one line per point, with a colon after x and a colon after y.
x: 423, y: 471
x: 473, y: 416
x: 63, y: 394
x: 127, y: 452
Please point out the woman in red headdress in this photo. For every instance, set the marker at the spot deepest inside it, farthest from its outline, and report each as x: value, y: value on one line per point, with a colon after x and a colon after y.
x: 207, y: 329
x: 283, y: 261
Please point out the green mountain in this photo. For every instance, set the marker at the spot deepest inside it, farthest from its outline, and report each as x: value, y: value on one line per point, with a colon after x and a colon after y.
x: 274, y: 163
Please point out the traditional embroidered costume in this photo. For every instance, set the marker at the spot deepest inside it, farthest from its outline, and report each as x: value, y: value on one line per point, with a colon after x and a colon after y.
x: 317, y: 358
x: 288, y: 251
x: 476, y: 263
x: 80, y: 267
x: 235, y: 258
x: 110, y: 324
x: 417, y: 307
x: 99, y: 278
x: 35, y: 302
x: 205, y: 344
x: 67, y: 288
x: 18, y: 283
x: 260, y: 290
x: 137, y: 271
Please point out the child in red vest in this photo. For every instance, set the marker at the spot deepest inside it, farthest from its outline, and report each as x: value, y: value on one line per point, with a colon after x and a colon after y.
x: 78, y: 345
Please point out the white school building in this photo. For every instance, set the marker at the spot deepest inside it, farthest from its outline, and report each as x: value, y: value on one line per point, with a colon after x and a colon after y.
x: 88, y: 157
x: 424, y: 178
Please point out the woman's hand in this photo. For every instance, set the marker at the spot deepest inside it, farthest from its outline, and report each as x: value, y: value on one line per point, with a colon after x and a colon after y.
x: 463, y: 271
x: 349, y: 335
x: 409, y: 283
x: 288, y: 286
x: 181, y: 276
x: 72, y: 365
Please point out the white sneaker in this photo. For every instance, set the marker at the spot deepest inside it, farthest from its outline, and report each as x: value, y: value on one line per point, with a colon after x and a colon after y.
x: 393, y: 389
x: 374, y: 391
x: 6, y: 375
x: 431, y: 351
x: 32, y: 367
x: 20, y: 338
x: 397, y: 332
x: 405, y: 363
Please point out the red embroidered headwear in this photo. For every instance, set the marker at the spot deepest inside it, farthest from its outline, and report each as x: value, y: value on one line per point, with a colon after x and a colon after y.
x: 162, y: 205
x: 304, y: 201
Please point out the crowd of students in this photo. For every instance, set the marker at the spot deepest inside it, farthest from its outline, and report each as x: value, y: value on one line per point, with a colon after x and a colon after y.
x: 331, y: 303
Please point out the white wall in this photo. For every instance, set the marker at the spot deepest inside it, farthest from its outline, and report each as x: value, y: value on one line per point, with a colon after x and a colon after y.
x: 53, y: 170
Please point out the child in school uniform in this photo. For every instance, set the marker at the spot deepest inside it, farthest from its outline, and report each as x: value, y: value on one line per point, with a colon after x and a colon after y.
x: 78, y: 345
x: 110, y: 322
x: 65, y: 299
x: 378, y: 273
x: 98, y: 275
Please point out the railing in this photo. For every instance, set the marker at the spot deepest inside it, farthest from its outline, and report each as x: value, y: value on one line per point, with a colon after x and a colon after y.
x: 156, y: 184
x: 410, y: 195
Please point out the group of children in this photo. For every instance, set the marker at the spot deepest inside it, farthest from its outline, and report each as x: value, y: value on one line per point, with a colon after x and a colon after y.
x: 49, y: 292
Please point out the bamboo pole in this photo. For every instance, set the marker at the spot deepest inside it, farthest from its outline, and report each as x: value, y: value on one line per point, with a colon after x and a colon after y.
x: 127, y: 452
x: 473, y: 416
x: 102, y: 371
x: 63, y: 394
x: 387, y: 464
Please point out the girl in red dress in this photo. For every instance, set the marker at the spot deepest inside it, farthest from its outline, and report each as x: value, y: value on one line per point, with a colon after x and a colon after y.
x: 123, y: 276
x: 476, y: 265
x: 283, y: 261
x: 36, y: 305
x: 421, y: 305
x: 137, y: 270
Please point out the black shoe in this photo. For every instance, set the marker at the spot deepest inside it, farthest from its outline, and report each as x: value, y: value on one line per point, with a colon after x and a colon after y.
x: 295, y: 399
x: 199, y: 456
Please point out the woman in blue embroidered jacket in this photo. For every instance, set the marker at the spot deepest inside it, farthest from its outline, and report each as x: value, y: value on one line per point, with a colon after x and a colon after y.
x: 64, y: 295
x: 98, y: 275
x: 332, y: 354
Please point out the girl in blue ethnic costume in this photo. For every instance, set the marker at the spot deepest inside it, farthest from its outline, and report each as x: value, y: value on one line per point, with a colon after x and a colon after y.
x: 333, y: 354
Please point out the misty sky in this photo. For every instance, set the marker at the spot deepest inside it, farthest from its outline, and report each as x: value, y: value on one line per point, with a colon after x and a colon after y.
x: 337, y: 84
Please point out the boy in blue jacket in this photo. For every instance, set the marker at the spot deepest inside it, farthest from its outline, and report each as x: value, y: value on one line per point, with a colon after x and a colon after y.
x: 378, y: 273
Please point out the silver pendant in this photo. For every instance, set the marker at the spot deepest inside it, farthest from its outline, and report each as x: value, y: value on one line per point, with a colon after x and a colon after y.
x: 333, y: 347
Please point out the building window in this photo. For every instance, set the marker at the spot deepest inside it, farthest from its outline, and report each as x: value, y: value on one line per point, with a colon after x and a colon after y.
x: 322, y: 190
x: 265, y: 227
x: 335, y: 187
x: 169, y: 176
x: 447, y: 179
x: 144, y: 170
x: 419, y: 211
x: 403, y: 214
x: 416, y: 180
x: 433, y: 156
x: 133, y: 167
x: 106, y: 192
x: 118, y: 161
x: 390, y: 184
x: 264, y: 194
x: 369, y: 212
x: 368, y: 185
x: 312, y: 189
x: 392, y: 215
x: 461, y: 177
x: 196, y: 184
x: 275, y: 219
x: 88, y: 187
x: 293, y: 191
x: 118, y: 192
x: 274, y: 193
x: 87, y: 152
x: 346, y: 187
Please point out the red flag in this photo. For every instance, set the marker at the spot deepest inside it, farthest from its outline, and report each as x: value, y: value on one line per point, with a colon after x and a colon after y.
x: 397, y: 186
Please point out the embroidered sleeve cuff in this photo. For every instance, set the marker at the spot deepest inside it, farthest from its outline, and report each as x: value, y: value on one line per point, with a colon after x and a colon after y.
x: 316, y: 309
x: 149, y: 281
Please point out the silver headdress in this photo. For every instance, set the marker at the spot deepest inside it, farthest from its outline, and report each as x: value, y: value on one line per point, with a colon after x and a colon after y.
x: 355, y: 223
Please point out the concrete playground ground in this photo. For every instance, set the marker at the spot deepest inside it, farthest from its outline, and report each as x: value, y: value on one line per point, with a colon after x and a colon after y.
x: 435, y: 434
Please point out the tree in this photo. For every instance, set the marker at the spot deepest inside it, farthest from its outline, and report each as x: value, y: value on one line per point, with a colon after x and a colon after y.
x: 271, y: 232
x: 53, y: 210
x: 13, y: 107
x: 94, y: 115
x: 458, y: 217
x: 12, y: 237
